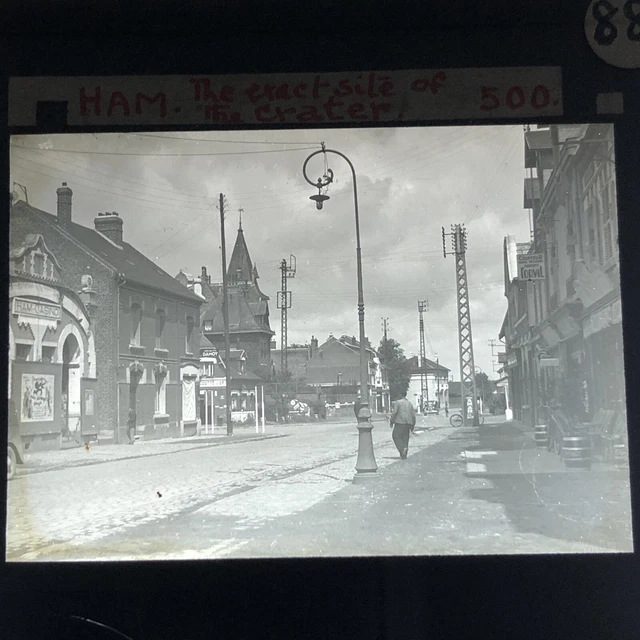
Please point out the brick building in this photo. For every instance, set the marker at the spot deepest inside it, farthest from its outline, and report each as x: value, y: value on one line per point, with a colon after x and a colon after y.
x: 249, y: 327
x: 142, y: 323
x: 563, y: 330
x: 334, y: 367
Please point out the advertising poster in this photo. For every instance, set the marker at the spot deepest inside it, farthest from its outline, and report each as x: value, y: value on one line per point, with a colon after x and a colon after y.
x: 37, y: 393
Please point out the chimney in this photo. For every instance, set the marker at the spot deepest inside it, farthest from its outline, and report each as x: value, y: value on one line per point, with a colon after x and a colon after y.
x: 64, y: 205
x: 109, y: 225
x: 205, y: 278
x: 314, y: 345
x: 197, y: 287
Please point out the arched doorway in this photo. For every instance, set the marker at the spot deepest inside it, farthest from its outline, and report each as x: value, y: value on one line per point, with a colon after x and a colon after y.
x: 71, y: 388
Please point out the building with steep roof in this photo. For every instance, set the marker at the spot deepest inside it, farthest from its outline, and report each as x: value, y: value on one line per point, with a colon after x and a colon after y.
x: 132, y: 342
x: 249, y: 327
x: 437, y: 383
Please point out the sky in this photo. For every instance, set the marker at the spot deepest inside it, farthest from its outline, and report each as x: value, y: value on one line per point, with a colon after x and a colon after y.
x: 410, y: 183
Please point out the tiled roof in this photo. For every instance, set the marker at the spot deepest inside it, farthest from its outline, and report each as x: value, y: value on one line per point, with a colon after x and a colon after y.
x: 127, y: 260
x: 429, y: 365
x: 241, y: 317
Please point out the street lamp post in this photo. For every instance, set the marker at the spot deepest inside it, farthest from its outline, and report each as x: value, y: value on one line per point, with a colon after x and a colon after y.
x: 476, y: 371
x: 366, y: 466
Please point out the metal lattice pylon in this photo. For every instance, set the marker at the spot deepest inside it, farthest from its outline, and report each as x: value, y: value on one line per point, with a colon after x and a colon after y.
x: 465, y: 340
x: 424, y: 390
x: 284, y: 303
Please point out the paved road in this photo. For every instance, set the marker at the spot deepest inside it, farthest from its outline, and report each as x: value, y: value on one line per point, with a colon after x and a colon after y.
x: 68, y: 511
x: 462, y: 491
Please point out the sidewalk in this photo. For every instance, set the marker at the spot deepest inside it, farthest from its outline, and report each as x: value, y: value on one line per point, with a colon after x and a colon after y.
x: 79, y: 456
x: 429, y: 505
x: 39, y: 461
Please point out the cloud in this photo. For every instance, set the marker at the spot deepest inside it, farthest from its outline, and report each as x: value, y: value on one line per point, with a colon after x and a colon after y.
x: 411, y: 183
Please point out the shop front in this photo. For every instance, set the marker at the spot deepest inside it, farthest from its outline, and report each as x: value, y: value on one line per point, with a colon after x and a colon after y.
x: 602, y: 331
x: 52, y: 370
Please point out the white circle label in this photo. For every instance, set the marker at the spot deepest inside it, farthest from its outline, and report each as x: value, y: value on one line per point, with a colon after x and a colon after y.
x: 612, y: 28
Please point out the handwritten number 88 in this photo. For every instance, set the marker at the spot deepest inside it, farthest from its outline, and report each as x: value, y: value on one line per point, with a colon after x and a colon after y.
x: 606, y: 33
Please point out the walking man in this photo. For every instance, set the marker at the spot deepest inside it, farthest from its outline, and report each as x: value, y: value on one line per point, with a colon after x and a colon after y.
x: 402, y: 420
x: 131, y: 426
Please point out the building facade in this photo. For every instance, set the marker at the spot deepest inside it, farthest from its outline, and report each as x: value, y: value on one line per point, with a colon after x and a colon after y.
x: 249, y: 327
x: 563, y: 329
x: 334, y: 367
x: 136, y: 347
x: 436, y: 379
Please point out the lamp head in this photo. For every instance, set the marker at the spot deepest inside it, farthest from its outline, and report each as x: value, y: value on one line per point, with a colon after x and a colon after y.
x: 319, y: 200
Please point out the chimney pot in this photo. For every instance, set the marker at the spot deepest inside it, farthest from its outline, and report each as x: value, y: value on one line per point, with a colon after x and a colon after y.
x: 110, y: 226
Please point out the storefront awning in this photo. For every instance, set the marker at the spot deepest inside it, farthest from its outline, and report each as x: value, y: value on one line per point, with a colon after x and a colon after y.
x: 603, y: 318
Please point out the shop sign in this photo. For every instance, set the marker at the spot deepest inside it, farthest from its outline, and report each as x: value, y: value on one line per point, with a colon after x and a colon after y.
x: 211, y: 383
x: 549, y: 362
x: 34, y: 309
x: 531, y: 266
x: 210, y: 352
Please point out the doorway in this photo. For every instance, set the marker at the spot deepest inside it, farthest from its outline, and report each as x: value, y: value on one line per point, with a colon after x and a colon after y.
x: 71, y: 390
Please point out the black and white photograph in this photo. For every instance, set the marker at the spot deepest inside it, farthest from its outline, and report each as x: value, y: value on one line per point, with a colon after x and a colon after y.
x: 298, y: 343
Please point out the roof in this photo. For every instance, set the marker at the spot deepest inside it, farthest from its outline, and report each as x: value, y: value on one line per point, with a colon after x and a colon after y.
x: 242, y: 317
x: 429, y: 365
x: 240, y: 267
x: 128, y: 261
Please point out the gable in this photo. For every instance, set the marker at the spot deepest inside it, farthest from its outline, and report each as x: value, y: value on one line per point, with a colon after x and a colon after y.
x: 32, y: 258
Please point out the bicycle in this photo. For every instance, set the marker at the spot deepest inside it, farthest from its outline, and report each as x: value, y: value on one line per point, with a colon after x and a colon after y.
x: 456, y: 419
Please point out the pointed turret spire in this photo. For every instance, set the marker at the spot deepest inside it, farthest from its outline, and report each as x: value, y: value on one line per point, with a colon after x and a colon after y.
x: 240, y: 222
x: 240, y: 266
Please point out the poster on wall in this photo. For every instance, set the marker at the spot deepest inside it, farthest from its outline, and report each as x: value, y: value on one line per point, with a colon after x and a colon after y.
x: 37, y: 393
x: 88, y: 401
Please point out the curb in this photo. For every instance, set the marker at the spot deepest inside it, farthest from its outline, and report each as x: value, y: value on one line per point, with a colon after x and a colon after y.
x: 27, y: 471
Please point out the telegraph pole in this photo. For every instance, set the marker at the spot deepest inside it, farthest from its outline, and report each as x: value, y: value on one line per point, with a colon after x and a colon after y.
x: 424, y: 390
x: 225, y: 315
x: 465, y: 341
x: 385, y: 327
x: 284, y: 303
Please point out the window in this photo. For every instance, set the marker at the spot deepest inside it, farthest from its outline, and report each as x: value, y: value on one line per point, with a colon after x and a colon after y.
x: 160, y: 322
x: 189, y: 336
x: 38, y: 264
x: 161, y: 393
x: 23, y: 351
x: 48, y: 354
x: 136, y: 321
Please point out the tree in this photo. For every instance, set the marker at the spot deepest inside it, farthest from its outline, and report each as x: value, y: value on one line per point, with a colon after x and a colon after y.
x: 398, y: 367
x: 484, y: 386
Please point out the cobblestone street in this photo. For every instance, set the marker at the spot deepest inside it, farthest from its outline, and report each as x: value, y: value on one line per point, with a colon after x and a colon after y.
x: 290, y: 493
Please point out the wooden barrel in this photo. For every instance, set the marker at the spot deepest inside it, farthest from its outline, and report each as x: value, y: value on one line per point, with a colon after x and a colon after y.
x: 541, y: 435
x: 576, y: 451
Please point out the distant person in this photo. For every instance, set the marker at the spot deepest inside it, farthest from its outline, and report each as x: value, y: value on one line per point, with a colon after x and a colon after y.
x: 402, y: 421
x: 131, y: 426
